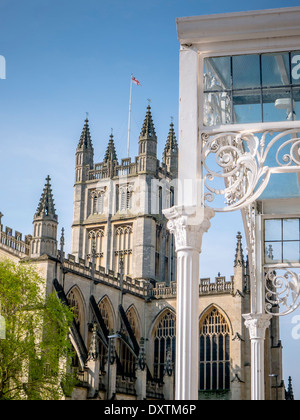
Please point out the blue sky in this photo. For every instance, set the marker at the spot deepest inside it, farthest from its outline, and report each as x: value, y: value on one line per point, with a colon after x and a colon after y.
x: 68, y: 57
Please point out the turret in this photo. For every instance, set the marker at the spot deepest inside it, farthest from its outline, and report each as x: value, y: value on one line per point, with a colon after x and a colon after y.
x: 239, y: 265
x: 84, y: 163
x: 45, y: 224
x: 84, y: 154
x: 111, y: 153
x: 170, y: 154
x: 148, y: 146
x: 110, y: 158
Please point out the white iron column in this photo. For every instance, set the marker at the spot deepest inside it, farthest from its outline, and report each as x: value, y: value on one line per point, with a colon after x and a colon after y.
x: 257, y: 321
x: 257, y: 325
x: 188, y: 226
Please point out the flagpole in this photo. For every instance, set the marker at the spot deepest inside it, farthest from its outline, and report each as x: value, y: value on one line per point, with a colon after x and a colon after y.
x: 129, y: 117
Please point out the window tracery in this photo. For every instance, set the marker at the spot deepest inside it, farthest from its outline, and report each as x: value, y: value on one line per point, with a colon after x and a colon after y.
x: 124, y: 197
x: 127, y: 359
x: 214, y: 352
x: 164, y: 343
x: 76, y: 304
x: 95, y: 246
x: 97, y: 201
x: 107, y: 315
x: 123, y: 247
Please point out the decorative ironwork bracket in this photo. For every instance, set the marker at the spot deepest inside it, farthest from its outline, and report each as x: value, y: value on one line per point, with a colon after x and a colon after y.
x: 239, y: 159
x: 282, y: 291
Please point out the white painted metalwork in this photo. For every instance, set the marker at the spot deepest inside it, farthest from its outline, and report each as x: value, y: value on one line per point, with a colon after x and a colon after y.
x: 242, y: 161
x: 282, y: 291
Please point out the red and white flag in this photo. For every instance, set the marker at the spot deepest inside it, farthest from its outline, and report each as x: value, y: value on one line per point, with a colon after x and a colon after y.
x: 134, y: 80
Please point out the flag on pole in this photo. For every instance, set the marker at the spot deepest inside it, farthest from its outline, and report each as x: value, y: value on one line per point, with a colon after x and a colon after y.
x: 134, y: 80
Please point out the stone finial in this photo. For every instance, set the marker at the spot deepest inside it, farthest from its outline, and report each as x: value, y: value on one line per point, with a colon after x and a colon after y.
x: 85, y: 141
x: 239, y: 255
x: 111, y: 153
x: 46, y: 205
x: 148, y: 130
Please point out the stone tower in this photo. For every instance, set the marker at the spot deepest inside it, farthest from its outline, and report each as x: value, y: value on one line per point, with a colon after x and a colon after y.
x: 118, y: 207
x: 45, y: 224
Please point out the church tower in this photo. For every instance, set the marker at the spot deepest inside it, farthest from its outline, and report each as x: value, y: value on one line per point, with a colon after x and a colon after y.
x: 45, y: 224
x: 148, y: 146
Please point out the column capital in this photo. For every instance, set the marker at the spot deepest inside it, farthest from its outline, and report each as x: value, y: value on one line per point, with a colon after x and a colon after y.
x: 188, y: 223
x: 257, y: 324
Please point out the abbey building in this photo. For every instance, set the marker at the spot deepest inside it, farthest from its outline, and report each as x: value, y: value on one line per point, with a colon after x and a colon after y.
x: 120, y: 280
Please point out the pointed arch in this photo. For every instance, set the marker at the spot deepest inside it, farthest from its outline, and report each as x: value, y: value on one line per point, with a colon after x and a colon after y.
x: 107, y: 312
x: 224, y: 314
x: 164, y: 340
x: 214, y: 336
x: 158, y: 316
x: 77, y: 304
x: 134, y: 321
x: 127, y: 356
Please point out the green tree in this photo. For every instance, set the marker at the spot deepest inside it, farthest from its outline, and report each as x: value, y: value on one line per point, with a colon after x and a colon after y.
x: 36, y: 350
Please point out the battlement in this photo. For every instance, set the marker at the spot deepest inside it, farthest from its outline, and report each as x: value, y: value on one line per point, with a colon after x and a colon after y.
x: 142, y: 287
x: 99, y: 274
x: 206, y: 287
x: 13, y: 242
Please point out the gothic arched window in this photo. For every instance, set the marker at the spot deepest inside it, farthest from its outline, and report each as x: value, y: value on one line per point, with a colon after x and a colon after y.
x: 214, y: 352
x: 123, y: 247
x: 108, y: 318
x: 76, y: 304
x: 95, y: 246
x: 97, y: 201
x: 127, y: 358
x: 164, y: 342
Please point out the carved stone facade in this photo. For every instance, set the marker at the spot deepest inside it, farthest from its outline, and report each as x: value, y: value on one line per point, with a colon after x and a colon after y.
x: 120, y: 279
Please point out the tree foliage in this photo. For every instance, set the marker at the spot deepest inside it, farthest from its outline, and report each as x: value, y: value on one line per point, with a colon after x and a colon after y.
x: 36, y: 351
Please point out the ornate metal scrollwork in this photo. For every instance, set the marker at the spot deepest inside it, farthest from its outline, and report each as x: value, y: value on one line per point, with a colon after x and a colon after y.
x: 282, y: 291
x: 243, y: 163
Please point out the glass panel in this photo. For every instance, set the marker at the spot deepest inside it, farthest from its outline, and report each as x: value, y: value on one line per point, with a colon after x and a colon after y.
x: 221, y: 348
x: 221, y: 375
x: 208, y: 367
x: 296, y: 98
x: 273, y: 252
x: 217, y: 108
x: 246, y: 71
x: 227, y: 347
x: 246, y: 106
x: 202, y: 348
x: 215, y: 348
x: 295, y: 61
x: 273, y: 230
x: 201, y: 376
x: 291, y: 252
x: 227, y: 376
x: 214, y: 376
x: 217, y: 74
x: 277, y: 105
x: 208, y: 355
x: 275, y: 69
x: 291, y: 229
